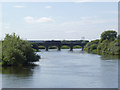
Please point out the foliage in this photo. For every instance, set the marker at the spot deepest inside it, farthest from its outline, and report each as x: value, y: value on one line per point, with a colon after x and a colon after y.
x: 115, y: 46
x: 41, y: 47
x: 17, y: 51
x: 108, y: 44
x: 103, y: 47
x: 77, y: 46
x: 0, y: 50
x: 92, y: 46
x: 35, y: 47
x: 65, y: 47
x: 109, y: 35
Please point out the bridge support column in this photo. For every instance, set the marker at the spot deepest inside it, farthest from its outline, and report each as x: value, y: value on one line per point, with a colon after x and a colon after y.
x: 71, y: 48
x: 82, y: 48
x: 59, y: 48
x: 46, y: 48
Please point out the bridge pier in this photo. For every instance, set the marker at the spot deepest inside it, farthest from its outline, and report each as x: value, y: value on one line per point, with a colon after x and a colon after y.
x: 59, y: 48
x: 71, y: 48
x: 82, y: 48
x: 46, y: 48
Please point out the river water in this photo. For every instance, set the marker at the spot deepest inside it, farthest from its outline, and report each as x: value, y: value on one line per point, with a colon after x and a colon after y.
x: 64, y: 69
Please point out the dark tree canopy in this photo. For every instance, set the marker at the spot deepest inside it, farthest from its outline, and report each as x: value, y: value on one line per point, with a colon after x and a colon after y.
x: 17, y: 51
x: 108, y: 35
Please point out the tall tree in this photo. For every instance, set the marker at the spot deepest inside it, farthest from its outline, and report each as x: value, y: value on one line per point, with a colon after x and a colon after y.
x: 108, y: 35
x: 17, y: 51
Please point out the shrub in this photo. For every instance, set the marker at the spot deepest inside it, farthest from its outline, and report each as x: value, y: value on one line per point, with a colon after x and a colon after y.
x: 92, y: 46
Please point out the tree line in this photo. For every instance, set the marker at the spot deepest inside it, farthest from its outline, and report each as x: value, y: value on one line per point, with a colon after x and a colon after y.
x: 109, y: 43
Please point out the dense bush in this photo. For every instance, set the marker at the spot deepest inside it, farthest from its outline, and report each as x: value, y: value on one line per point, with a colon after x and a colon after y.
x: 0, y: 51
x: 108, y: 44
x: 17, y: 52
x: 103, y: 47
x: 115, y: 47
x: 92, y: 46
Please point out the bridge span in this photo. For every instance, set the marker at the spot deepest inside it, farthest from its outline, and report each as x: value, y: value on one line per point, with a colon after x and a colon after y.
x: 58, y: 44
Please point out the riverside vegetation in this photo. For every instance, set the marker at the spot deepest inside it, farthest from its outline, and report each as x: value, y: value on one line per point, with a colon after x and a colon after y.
x: 109, y: 44
x: 0, y: 51
x: 17, y: 52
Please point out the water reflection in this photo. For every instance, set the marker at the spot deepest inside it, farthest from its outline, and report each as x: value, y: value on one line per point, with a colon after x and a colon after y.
x: 18, y: 71
x: 110, y: 57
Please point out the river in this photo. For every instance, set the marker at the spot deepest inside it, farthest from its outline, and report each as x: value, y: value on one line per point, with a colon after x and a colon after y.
x: 64, y: 69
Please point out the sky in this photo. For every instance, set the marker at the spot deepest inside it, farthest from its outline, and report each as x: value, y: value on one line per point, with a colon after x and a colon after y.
x: 59, y: 20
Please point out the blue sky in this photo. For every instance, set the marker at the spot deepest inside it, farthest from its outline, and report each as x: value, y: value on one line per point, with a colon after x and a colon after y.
x: 59, y: 20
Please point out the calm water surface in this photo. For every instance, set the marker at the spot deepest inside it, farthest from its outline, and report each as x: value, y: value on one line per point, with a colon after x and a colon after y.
x: 64, y: 69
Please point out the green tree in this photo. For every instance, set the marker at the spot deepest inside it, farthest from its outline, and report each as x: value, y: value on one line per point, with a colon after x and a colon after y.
x: 114, y: 47
x: 17, y: 51
x: 0, y: 51
x: 108, y: 44
x: 91, y: 47
x: 108, y: 35
x: 103, y: 47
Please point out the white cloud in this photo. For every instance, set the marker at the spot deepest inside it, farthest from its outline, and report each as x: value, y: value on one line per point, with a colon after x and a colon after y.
x: 19, y: 6
x: 45, y: 19
x: 30, y: 19
x: 48, y: 7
